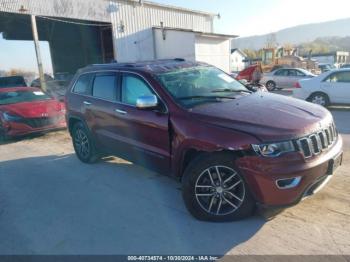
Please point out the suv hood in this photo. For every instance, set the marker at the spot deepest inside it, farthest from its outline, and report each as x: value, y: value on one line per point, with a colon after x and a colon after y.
x: 269, y: 117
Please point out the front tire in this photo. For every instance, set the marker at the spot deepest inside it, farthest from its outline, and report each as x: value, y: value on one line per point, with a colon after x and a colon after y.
x: 319, y: 99
x: 271, y: 85
x: 83, y: 144
x: 214, y: 189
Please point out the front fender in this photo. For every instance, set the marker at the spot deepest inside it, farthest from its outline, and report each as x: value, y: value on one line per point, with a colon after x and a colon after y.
x: 204, y: 137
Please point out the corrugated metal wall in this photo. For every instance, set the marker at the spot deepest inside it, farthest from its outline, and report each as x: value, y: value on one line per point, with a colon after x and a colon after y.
x: 136, y: 17
x: 132, y: 22
x: 94, y: 10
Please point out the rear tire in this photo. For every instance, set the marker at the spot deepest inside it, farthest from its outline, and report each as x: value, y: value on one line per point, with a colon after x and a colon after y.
x: 83, y: 144
x: 214, y: 190
x: 319, y: 99
x: 3, y: 137
x: 271, y: 85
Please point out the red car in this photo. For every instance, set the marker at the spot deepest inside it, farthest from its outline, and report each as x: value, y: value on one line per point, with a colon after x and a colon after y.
x: 25, y: 110
x: 231, y: 148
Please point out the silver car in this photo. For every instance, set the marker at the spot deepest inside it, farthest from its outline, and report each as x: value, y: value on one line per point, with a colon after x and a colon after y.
x: 285, y: 77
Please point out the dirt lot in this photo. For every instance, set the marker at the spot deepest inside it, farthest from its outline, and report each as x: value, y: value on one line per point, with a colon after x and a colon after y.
x: 50, y: 203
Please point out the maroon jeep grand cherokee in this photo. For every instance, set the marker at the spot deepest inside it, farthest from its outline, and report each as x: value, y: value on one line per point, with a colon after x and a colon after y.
x: 232, y: 149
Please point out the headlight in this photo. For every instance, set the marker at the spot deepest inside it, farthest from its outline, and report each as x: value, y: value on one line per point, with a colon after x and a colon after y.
x: 274, y: 149
x: 11, y: 117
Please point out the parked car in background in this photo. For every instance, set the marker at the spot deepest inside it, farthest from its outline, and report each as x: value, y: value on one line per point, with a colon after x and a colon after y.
x: 230, y: 147
x: 326, y: 67
x: 55, y: 87
x: 36, y: 82
x: 345, y: 66
x: 25, y: 110
x: 12, y: 81
x: 284, y: 78
x: 332, y: 87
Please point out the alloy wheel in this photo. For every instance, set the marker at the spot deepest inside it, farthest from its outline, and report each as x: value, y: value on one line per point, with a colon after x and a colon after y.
x: 219, y: 190
x: 81, y: 141
x: 270, y: 86
x: 319, y: 99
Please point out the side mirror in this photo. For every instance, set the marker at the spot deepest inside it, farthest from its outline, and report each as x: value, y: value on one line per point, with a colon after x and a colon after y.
x: 147, y: 102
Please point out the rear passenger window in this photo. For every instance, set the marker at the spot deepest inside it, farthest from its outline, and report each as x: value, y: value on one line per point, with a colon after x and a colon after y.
x: 82, y: 86
x: 105, y: 87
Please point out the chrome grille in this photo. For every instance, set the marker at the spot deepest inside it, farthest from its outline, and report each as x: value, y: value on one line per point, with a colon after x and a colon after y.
x: 317, y: 142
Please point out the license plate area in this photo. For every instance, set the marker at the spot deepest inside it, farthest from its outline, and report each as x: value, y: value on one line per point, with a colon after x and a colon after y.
x: 334, y: 164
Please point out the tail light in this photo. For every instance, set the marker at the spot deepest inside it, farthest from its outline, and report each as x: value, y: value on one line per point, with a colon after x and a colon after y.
x: 297, y: 85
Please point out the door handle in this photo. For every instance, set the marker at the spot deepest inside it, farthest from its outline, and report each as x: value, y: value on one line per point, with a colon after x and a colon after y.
x: 87, y: 103
x: 121, y: 112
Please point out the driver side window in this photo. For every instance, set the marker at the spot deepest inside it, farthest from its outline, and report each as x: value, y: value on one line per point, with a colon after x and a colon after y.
x: 340, y: 77
x: 132, y: 88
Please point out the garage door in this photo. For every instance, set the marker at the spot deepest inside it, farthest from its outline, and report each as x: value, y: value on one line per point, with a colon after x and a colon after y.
x: 213, y: 50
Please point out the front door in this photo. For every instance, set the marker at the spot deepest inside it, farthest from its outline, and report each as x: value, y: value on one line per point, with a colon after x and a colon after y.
x: 337, y: 86
x: 145, y: 132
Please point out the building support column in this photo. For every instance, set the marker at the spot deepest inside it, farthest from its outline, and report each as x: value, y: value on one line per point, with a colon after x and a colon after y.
x: 38, y: 53
x: 113, y: 9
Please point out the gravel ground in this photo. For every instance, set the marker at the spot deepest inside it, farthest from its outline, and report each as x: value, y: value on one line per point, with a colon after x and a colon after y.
x: 50, y: 203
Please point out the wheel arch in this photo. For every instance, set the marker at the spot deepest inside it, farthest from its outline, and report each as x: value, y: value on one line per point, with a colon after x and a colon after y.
x: 321, y: 93
x: 72, y: 120
x: 191, y: 154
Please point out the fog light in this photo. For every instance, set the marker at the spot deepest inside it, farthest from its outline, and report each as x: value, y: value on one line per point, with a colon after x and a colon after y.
x: 287, y: 183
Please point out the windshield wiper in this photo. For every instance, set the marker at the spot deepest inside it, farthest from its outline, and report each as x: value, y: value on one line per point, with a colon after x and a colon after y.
x: 219, y: 90
x: 205, y: 97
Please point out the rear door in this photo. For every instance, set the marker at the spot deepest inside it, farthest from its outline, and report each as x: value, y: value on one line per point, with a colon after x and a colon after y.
x: 144, y: 132
x: 280, y: 77
x: 100, y: 113
x: 294, y: 76
x: 337, y: 86
x: 79, y: 95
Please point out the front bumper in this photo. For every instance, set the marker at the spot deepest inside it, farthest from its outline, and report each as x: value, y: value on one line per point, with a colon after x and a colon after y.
x: 16, y: 129
x: 261, y: 175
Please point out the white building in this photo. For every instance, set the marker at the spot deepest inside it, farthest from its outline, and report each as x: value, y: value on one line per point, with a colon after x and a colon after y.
x: 238, y: 58
x: 126, y: 30
x: 337, y: 58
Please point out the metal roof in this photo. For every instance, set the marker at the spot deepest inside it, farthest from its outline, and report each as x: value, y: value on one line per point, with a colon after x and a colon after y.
x: 150, y: 3
x: 196, y: 32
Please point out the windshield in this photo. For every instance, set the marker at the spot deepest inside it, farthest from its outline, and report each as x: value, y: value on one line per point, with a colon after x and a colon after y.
x: 200, y: 84
x: 14, y: 97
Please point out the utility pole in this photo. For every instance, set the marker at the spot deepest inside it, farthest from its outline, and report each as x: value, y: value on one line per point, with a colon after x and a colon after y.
x: 38, y: 54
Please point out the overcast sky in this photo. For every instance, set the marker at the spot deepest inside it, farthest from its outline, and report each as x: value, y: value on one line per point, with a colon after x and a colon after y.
x: 255, y: 17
